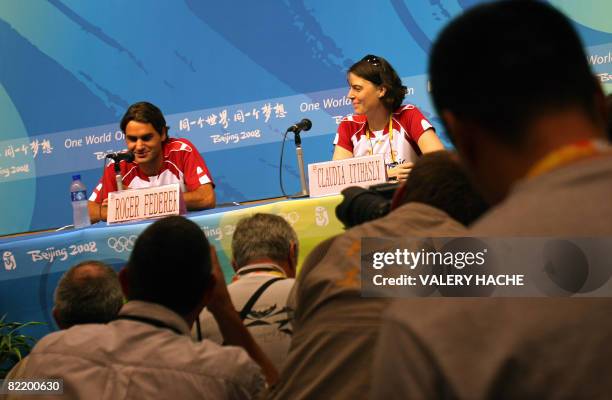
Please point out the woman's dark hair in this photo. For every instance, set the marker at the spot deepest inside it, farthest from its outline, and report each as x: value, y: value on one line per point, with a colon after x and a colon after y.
x: 378, y: 71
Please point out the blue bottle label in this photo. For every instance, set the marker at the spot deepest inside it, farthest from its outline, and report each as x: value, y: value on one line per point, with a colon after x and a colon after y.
x: 79, y: 196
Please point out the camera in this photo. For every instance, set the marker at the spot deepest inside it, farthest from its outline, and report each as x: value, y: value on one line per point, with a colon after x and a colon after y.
x: 362, y: 205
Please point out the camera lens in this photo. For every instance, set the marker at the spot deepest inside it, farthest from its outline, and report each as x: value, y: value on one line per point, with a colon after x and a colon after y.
x: 361, y: 205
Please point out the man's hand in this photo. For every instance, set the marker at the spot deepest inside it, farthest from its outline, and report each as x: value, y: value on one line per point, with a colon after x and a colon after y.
x: 400, y: 172
x: 97, y: 212
x: 200, y: 199
x: 220, y: 301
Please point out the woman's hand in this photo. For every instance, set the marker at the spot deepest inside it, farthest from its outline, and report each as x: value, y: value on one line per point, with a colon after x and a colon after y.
x: 400, y: 172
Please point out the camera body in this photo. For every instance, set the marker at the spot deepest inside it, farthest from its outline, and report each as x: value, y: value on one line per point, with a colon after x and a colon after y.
x: 361, y: 205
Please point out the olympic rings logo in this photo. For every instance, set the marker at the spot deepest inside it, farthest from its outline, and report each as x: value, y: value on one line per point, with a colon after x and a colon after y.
x: 292, y: 217
x: 121, y: 243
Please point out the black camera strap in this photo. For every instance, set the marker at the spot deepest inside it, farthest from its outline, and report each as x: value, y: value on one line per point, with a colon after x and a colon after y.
x: 251, y: 302
x: 247, y: 307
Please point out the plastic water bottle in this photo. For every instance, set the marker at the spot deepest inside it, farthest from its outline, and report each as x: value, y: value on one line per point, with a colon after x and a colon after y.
x: 78, y: 194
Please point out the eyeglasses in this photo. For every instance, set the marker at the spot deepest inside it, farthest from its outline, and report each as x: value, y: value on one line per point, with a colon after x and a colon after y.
x: 374, y: 60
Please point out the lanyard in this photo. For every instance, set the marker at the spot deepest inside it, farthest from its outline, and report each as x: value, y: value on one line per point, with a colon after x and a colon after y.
x: 567, y: 154
x: 371, y: 151
x: 149, y: 321
x: 258, y: 269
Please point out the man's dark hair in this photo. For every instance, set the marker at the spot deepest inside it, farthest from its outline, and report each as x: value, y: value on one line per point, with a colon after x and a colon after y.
x: 439, y: 180
x: 87, y: 293
x: 502, y: 64
x: 378, y: 71
x: 170, y: 265
x: 146, y: 113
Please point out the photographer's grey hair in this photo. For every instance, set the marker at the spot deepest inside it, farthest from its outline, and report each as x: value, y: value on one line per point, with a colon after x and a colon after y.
x: 262, y: 236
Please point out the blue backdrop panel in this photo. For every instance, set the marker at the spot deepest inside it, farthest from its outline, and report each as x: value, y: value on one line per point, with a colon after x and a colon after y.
x: 231, y: 76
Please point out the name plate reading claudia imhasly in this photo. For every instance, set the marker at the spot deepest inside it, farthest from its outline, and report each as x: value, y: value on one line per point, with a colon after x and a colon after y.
x: 331, y: 177
x: 137, y: 204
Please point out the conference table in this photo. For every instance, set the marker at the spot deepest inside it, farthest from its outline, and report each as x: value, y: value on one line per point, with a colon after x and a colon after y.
x: 33, y: 264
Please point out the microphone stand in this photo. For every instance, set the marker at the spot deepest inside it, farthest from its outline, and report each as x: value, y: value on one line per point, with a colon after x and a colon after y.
x: 300, y: 160
x: 118, y: 176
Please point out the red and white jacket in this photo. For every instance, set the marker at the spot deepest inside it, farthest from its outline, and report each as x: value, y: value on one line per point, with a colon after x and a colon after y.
x: 182, y: 164
x: 408, y: 125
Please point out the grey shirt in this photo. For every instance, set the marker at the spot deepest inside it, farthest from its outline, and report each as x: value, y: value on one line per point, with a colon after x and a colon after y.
x: 495, y: 348
x: 127, y: 359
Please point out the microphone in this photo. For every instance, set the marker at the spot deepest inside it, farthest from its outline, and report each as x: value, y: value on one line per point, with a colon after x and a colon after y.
x: 128, y: 156
x: 117, y: 157
x: 303, y: 125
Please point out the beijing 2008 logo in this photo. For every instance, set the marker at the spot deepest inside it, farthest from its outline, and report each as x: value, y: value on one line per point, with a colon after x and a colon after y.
x: 121, y: 243
x: 321, y: 216
x: 9, y: 260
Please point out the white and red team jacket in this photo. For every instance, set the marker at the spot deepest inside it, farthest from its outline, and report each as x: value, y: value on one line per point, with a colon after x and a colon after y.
x: 408, y: 125
x: 182, y: 164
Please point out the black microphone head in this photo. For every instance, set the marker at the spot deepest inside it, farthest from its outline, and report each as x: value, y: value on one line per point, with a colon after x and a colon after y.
x: 303, y: 125
x: 117, y: 157
x: 128, y: 156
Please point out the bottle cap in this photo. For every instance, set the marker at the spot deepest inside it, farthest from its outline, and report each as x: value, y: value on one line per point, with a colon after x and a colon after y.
x: 76, y: 177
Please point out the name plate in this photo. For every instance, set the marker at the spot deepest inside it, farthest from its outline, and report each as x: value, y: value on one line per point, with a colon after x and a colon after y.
x: 331, y: 177
x: 137, y: 204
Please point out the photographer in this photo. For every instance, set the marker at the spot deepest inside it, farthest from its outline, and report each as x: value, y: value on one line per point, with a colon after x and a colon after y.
x: 335, y: 329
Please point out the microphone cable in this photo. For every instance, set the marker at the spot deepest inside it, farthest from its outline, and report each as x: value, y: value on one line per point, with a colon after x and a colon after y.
x: 104, y: 165
x: 304, y: 125
x: 280, y: 169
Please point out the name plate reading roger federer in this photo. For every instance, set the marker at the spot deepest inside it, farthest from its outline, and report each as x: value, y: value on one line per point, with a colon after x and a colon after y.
x: 137, y: 204
x: 331, y: 177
